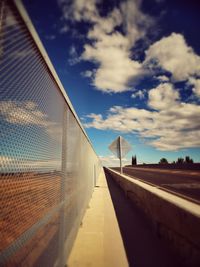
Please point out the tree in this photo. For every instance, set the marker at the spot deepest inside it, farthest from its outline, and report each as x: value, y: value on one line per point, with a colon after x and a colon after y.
x: 134, y: 160
x: 180, y: 161
x: 163, y: 161
x: 188, y: 160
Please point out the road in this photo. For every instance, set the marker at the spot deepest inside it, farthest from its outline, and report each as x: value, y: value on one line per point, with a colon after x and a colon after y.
x: 185, y: 183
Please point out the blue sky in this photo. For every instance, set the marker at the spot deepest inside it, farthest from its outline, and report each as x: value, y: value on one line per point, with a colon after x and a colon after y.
x: 130, y: 68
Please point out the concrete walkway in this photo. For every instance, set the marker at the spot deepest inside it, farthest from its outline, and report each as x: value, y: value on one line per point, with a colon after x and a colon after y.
x: 99, y: 241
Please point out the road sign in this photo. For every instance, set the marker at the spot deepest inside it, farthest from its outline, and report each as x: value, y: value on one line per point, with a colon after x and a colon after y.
x: 120, y: 147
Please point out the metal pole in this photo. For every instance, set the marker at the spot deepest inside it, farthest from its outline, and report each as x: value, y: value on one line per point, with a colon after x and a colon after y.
x: 2, y: 22
x: 65, y: 125
x: 120, y: 155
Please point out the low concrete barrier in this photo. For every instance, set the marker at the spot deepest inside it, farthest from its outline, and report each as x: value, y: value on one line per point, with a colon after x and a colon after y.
x: 175, y: 219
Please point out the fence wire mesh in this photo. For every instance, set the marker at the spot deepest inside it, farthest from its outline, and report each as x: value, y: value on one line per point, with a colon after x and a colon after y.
x: 47, y: 165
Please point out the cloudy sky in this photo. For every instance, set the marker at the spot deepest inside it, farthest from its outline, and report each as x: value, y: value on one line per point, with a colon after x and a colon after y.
x: 130, y: 68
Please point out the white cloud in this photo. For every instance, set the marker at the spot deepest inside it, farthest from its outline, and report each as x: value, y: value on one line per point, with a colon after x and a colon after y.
x: 196, y: 83
x: 162, y: 78
x: 64, y: 29
x: 116, y: 68
x: 72, y: 51
x: 109, y: 49
x: 10, y: 20
x: 16, y: 164
x: 171, y: 127
x: 87, y: 73
x: 140, y: 94
x: 74, y: 57
x: 135, y: 22
x: 172, y: 141
x: 21, y: 54
x: 22, y: 113
x: 163, y: 96
x: 113, y: 161
x: 105, y: 25
x: 121, y: 119
x: 28, y: 113
x: 78, y: 10
x: 50, y: 37
x: 174, y: 55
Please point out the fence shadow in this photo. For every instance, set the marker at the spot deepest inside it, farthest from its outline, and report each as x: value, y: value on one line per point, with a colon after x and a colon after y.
x: 143, y: 248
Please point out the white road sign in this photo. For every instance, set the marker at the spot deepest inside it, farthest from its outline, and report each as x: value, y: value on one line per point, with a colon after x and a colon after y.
x: 120, y: 147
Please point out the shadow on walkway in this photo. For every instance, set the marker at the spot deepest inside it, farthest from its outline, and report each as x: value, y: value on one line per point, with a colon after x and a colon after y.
x: 143, y: 247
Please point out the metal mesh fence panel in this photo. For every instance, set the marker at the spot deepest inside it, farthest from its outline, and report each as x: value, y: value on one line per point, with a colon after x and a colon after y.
x: 47, y: 165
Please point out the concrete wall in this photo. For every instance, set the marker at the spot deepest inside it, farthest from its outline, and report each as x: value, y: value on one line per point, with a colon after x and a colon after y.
x: 172, y: 222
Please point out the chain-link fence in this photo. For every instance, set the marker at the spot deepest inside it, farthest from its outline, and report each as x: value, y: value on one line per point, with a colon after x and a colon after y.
x: 47, y: 165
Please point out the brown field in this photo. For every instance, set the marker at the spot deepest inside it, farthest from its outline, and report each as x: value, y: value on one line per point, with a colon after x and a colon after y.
x: 24, y: 199
x: 31, y: 253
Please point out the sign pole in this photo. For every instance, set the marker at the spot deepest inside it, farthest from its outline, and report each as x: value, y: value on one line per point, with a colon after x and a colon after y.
x: 120, y: 155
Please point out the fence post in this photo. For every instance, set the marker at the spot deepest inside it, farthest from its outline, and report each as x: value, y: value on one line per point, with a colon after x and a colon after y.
x: 62, y: 258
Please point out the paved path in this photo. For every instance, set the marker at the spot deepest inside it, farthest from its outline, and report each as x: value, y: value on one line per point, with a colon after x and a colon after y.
x: 99, y: 241
x: 115, y: 234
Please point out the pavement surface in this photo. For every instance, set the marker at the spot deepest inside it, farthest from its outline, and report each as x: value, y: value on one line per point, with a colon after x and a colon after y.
x: 114, y: 233
x: 99, y: 242
x: 185, y: 183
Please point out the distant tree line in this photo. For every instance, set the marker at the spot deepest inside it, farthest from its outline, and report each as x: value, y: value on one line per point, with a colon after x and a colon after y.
x: 178, y: 161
